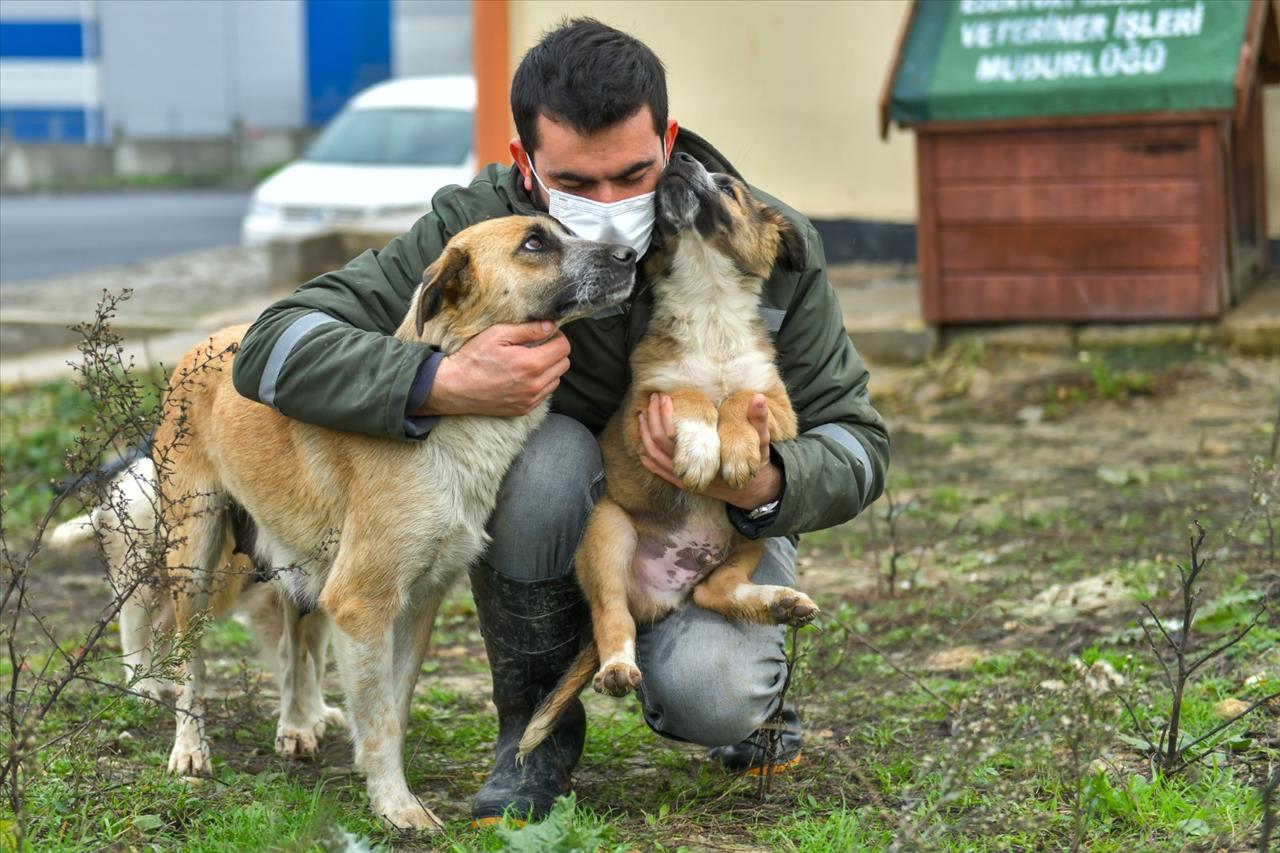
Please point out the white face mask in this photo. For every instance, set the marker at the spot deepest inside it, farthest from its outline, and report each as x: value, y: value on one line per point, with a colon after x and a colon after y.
x: 629, y: 222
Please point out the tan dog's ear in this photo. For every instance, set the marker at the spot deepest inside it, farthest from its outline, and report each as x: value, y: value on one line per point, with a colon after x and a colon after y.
x: 438, y: 281
x: 791, y: 246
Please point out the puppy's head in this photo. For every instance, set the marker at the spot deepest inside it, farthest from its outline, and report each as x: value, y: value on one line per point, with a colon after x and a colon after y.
x: 513, y: 270
x: 721, y: 211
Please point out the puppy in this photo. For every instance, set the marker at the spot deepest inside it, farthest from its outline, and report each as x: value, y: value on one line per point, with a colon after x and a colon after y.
x: 647, y: 544
x: 377, y: 528
x: 125, y: 525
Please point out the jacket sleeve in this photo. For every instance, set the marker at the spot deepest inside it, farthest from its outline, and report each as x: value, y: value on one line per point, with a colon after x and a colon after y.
x: 326, y: 354
x: 836, y: 467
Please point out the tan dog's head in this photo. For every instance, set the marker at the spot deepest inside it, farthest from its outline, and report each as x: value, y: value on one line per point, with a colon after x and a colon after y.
x: 513, y: 270
x: 721, y: 211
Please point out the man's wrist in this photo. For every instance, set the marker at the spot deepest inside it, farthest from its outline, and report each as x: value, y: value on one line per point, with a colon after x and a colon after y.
x: 438, y: 400
x: 765, y: 488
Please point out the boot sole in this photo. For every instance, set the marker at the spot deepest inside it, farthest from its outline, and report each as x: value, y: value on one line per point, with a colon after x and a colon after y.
x: 494, y: 820
x: 772, y: 769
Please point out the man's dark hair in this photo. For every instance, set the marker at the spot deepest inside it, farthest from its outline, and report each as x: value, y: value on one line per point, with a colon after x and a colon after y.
x: 589, y: 76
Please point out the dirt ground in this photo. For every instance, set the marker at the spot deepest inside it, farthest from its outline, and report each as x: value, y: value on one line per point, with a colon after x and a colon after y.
x: 1035, y: 502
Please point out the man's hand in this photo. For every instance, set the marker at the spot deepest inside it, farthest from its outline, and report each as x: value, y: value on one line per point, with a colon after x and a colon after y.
x: 504, y: 371
x: 658, y: 431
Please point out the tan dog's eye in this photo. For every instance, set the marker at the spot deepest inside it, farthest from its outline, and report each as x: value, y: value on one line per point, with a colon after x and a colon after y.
x: 727, y: 189
x: 533, y: 244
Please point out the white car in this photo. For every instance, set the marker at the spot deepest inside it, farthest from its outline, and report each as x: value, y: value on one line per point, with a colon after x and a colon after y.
x: 382, y: 158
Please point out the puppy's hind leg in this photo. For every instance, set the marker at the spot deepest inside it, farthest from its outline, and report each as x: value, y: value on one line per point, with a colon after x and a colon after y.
x: 729, y: 591
x: 603, y: 564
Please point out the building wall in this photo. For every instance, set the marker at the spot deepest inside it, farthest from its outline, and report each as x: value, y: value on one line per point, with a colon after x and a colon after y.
x: 80, y: 70
x: 787, y: 91
x: 431, y: 37
x: 50, y: 74
x: 790, y: 93
x: 192, y: 69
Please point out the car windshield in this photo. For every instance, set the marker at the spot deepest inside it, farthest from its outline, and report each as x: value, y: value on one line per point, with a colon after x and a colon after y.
x: 408, y: 136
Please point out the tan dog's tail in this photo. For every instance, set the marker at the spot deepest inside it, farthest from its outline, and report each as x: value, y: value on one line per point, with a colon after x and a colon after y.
x: 73, y: 532
x: 567, y: 689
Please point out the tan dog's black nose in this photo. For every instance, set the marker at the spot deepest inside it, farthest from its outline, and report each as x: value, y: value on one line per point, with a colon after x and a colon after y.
x: 686, y: 157
x: 623, y: 254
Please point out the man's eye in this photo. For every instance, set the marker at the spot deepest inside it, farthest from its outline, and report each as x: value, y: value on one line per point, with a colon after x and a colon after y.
x: 533, y: 244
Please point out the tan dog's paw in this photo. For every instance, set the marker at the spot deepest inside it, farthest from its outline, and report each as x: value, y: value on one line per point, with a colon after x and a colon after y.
x: 697, y: 459
x: 790, y: 607
x: 617, y: 678
x: 299, y: 742
x: 408, y: 813
x: 190, y: 759
x: 739, y: 462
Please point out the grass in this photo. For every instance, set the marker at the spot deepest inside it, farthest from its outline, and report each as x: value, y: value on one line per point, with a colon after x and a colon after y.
x: 947, y: 715
x: 155, y: 181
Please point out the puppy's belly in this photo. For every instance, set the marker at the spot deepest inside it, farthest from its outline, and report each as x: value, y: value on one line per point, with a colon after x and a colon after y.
x: 669, y: 563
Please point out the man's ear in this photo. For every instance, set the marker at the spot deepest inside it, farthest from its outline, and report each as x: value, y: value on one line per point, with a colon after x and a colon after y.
x: 791, y: 246
x: 439, y: 281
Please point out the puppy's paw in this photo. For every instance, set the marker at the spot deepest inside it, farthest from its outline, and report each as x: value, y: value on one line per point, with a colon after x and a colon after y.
x: 298, y: 741
x: 739, y: 461
x: 190, y: 758
x: 697, y: 459
x: 408, y: 813
x: 791, y: 607
x: 617, y: 678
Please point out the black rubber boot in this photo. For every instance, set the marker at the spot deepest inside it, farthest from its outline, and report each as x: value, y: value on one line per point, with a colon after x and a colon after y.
x: 750, y: 757
x: 532, y: 632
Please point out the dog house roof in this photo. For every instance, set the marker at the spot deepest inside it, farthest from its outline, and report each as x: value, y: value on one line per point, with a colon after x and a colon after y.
x: 980, y: 60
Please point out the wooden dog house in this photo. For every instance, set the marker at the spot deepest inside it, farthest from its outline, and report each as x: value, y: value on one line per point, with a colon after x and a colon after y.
x: 1086, y: 161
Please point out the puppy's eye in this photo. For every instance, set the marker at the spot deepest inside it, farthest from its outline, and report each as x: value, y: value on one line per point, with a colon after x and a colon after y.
x: 727, y: 189
x: 533, y: 244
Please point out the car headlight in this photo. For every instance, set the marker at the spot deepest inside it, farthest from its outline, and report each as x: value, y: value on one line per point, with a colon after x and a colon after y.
x: 261, y: 208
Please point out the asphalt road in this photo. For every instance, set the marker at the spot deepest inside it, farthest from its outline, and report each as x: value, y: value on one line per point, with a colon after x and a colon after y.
x: 56, y: 234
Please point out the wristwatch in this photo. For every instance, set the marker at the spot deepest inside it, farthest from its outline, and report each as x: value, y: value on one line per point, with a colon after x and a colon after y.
x: 763, y: 510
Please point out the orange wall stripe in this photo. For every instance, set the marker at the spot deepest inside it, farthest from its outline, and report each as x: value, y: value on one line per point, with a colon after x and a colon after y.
x: 490, y: 58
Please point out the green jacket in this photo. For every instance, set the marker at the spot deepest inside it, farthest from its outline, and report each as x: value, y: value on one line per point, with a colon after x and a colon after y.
x: 325, y: 354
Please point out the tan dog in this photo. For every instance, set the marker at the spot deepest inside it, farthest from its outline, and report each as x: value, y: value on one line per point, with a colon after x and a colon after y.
x: 378, y: 527
x: 648, y: 544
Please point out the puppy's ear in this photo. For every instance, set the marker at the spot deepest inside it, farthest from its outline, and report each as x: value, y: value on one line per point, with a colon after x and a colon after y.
x: 791, y: 248
x: 439, y: 280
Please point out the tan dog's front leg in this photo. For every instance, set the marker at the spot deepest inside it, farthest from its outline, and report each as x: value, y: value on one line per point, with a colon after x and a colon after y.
x: 697, y: 457
x: 729, y: 591
x: 740, y: 458
x: 368, y: 626
x: 603, y: 564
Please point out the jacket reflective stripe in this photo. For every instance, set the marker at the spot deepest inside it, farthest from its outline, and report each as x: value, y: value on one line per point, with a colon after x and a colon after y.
x: 845, y: 439
x: 772, y: 318
x: 280, y: 352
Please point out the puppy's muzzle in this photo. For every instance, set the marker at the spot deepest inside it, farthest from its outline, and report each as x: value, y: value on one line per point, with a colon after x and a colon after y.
x: 685, y: 185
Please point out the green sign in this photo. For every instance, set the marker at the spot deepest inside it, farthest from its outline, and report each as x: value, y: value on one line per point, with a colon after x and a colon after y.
x: 967, y: 60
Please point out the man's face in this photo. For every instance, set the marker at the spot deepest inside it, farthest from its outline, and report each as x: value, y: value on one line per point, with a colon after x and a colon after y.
x: 613, y: 164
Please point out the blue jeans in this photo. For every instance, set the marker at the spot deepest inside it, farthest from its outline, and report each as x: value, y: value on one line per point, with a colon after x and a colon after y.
x: 706, y: 680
